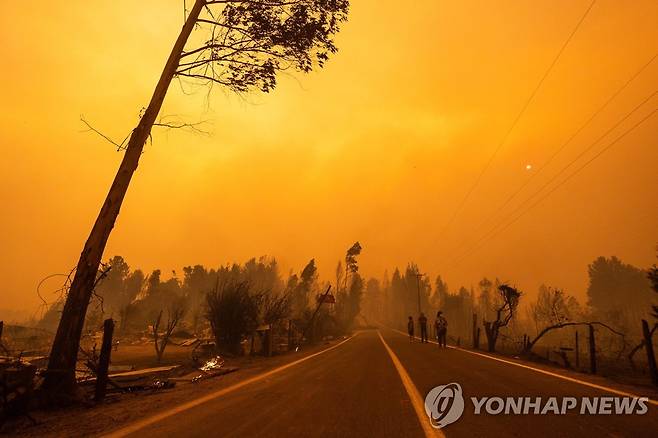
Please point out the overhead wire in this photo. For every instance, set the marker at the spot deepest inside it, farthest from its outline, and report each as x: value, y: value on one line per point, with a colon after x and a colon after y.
x: 516, y: 120
x: 582, y: 127
x: 497, y: 230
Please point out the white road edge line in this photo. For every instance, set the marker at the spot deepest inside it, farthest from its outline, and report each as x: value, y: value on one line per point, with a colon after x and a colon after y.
x: 416, y: 399
x: 134, y: 427
x: 548, y: 373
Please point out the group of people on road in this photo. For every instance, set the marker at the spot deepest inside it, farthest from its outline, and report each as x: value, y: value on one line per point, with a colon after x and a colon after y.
x: 440, y: 328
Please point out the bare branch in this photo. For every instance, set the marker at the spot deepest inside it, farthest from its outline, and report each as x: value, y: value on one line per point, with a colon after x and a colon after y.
x: 120, y: 146
x: 204, y: 77
x: 195, y: 127
x: 529, y: 346
x: 255, y: 2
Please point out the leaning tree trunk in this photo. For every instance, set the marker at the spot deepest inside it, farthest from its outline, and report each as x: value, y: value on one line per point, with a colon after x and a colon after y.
x: 60, y: 376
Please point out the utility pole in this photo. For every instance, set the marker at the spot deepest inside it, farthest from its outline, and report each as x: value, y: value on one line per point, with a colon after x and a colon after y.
x: 418, y: 277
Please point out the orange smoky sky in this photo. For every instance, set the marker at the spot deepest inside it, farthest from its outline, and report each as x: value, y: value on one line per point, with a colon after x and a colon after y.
x: 380, y: 146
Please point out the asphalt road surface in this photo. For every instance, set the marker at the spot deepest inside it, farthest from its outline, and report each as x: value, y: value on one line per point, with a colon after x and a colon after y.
x: 360, y: 389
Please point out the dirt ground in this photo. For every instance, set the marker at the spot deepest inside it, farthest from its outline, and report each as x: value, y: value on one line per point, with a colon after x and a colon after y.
x: 121, y: 409
x: 143, y: 356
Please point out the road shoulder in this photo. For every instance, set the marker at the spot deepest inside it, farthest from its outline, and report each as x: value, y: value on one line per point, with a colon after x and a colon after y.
x: 125, y: 409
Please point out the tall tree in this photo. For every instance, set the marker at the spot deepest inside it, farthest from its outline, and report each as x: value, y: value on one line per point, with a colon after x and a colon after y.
x: 111, y: 289
x: 373, y: 301
x: 438, y: 298
x: 351, y: 264
x: 133, y: 287
x: 553, y: 306
x: 416, y: 284
x: 153, y: 283
x: 248, y: 42
x: 354, y: 296
x: 348, y: 298
x: 197, y: 281
x: 617, y: 291
x: 303, y: 288
x: 399, y: 305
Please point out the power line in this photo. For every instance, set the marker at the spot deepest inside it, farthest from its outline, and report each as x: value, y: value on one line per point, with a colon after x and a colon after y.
x: 597, y: 155
x: 494, y: 232
x: 586, y: 150
x: 516, y: 121
x: 562, y: 147
x: 566, y: 143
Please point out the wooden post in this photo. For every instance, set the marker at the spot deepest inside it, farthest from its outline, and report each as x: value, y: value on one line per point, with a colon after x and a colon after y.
x: 104, y: 360
x: 648, y: 347
x: 577, y: 352
x: 475, y: 326
x: 592, y: 350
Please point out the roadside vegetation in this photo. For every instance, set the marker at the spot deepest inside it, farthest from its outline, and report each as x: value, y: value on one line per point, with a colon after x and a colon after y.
x: 209, y: 320
x: 252, y: 308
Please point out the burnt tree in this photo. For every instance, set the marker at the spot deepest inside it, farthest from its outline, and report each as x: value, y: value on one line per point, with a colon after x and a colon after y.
x: 527, y: 348
x: 247, y: 43
x: 160, y: 341
x: 504, y: 313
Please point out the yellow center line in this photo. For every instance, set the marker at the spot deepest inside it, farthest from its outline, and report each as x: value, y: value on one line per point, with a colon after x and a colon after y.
x: 125, y: 431
x: 416, y: 399
x: 548, y: 373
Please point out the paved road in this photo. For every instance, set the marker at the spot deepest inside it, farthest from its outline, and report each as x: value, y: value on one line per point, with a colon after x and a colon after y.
x: 355, y: 390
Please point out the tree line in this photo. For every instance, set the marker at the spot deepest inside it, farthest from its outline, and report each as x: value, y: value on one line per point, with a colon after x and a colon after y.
x: 231, y: 301
x: 618, y: 293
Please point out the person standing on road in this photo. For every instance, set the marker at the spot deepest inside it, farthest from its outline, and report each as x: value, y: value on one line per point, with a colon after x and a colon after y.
x: 441, y: 327
x: 422, y: 322
x: 410, y: 328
